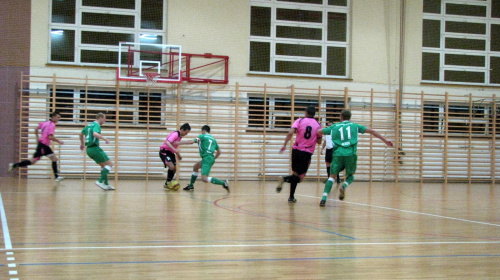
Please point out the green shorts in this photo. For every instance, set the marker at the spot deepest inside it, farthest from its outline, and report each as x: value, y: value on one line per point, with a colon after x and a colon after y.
x: 97, y: 154
x: 340, y: 162
x: 206, y: 165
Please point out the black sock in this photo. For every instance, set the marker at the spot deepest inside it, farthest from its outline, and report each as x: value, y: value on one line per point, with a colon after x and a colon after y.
x: 328, y: 171
x: 287, y: 179
x: 170, y: 175
x: 338, y: 178
x: 293, y: 186
x: 54, y: 168
x: 22, y: 163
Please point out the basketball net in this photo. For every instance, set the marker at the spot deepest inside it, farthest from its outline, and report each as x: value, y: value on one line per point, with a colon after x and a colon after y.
x: 151, y: 78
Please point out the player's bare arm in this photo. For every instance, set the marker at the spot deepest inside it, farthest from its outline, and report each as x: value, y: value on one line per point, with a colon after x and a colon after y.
x: 53, y: 138
x: 379, y: 136
x: 99, y: 136
x: 82, y: 141
x: 287, y: 139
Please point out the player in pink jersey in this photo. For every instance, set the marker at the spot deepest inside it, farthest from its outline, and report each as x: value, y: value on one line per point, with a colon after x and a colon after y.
x: 303, y: 149
x: 47, y: 129
x: 169, y: 151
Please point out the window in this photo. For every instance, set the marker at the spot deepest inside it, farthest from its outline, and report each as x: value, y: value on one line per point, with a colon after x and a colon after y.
x: 134, y: 108
x: 300, y: 37
x: 462, y: 120
x: 276, y: 114
x: 87, y: 32
x: 461, y: 42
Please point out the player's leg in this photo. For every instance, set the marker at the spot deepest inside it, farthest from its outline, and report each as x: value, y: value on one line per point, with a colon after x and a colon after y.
x: 290, y: 178
x: 194, y: 176
x: 206, y: 166
x: 328, y: 161
x: 350, y: 169
x: 98, y: 155
x: 172, y: 168
x: 302, y: 162
x: 53, y: 158
x: 336, y: 166
x: 36, y: 157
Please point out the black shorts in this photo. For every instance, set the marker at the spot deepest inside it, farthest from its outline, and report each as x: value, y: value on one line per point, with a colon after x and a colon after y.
x: 42, y: 150
x: 329, y: 155
x: 167, y: 156
x: 300, y: 161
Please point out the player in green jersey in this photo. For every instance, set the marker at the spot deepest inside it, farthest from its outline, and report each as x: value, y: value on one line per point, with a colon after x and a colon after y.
x: 208, y: 146
x: 345, y: 143
x: 91, y: 134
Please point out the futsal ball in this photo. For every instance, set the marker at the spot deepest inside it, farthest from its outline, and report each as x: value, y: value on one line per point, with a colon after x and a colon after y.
x: 175, y: 185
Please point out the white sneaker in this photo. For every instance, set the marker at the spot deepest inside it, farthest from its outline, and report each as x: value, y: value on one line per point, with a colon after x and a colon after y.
x: 101, y: 185
x: 11, y: 167
x: 110, y: 188
x: 59, y: 179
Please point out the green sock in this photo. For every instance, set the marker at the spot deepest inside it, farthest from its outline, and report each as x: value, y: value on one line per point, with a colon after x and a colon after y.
x: 328, y: 188
x: 193, y: 179
x: 104, y: 176
x: 348, y: 180
x: 216, y: 181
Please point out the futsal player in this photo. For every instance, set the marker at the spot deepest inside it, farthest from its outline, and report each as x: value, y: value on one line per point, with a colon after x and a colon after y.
x: 47, y: 129
x: 345, y: 140
x: 89, y: 137
x: 207, y: 146
x: 169, y: 151
x: 302, y: 150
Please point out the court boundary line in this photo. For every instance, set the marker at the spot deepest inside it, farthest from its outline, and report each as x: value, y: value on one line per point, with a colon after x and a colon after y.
x: 254, y: 245
x: 5, y: 226
x: 407, y: 211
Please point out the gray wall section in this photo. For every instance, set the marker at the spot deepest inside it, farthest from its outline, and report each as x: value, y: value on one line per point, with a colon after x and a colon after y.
x: 15, y: 20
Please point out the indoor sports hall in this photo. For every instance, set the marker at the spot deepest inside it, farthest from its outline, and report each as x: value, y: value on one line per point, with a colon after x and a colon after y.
x: 423, y: 73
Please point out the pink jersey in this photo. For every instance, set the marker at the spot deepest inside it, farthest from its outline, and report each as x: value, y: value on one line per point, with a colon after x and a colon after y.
x: 48, y: 128
x: 306, y: 137
x: 172, y: 137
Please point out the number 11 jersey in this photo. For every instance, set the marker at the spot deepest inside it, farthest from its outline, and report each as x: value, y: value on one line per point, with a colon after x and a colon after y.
x: 344, y: 137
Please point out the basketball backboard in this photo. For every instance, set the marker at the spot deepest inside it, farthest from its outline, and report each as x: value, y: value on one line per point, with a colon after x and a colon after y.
x: 137, y: 61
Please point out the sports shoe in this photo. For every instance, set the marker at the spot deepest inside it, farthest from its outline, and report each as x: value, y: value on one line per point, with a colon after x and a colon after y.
x: 226, y: 186
x: 11, y: 167
x: 322, y: 203
x: 110, y: 188
x: 101, y: 185
x: 189, y: 188
x: 280, y: 184
x: 168, y: 185
x: 59, y: 179
x: 292, y: 200
x: 342, y: 192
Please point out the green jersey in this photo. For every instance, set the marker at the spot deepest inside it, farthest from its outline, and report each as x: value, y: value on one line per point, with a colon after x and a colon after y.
x: 88, y: 131
x: 344, y: 137
x: 207, y: 144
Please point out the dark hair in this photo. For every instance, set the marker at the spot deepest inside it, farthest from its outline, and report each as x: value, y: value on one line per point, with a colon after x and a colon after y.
x: 185, y: 126
x: 206, y: 128
x: 345, y: 114
x: 55, y: 113
x: 311, y: 111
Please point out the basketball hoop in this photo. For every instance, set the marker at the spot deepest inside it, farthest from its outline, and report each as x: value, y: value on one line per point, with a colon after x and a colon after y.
x: 151, y: 78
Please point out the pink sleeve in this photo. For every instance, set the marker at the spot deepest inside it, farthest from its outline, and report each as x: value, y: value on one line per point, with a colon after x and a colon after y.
x: 172, y: 137
x: 296, y: 123
x: 52, y: 130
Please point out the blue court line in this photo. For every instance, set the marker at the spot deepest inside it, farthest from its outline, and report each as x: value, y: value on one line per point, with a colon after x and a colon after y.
x: 265, y: 260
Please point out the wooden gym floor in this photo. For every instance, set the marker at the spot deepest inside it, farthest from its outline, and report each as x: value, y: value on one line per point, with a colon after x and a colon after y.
x: 74, y: 230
